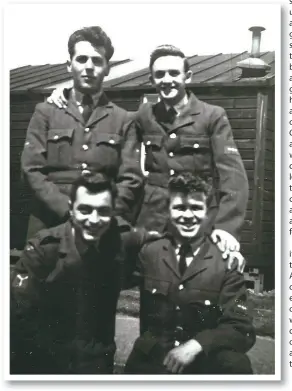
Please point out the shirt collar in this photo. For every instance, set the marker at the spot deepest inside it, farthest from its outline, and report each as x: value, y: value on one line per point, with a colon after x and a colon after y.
x: 180, y: 105
x: 78, y: 97
x: 195, y: 243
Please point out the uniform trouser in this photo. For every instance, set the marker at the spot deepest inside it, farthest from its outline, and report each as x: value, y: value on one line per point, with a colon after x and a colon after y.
x: 219, y: 362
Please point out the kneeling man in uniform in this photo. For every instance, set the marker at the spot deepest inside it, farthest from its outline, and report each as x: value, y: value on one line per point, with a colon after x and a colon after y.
x: 194, y: 307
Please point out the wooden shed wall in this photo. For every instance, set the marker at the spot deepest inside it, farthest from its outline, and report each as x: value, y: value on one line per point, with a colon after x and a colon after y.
x: 241, y: 105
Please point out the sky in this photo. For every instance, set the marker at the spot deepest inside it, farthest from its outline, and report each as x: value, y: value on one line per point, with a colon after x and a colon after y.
x: 38, y: 33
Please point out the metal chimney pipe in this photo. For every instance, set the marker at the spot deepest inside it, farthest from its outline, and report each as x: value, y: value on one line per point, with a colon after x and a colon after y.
x: 256, y: 40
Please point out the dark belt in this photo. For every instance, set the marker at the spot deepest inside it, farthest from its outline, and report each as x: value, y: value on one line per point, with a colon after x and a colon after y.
x: 64, y: 177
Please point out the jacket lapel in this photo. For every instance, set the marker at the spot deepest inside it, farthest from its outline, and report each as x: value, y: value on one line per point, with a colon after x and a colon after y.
x: 169, y: 258
x: 187, y: 116
x: 101, y: 111
x: 73, y: 110
x: 200, y: 262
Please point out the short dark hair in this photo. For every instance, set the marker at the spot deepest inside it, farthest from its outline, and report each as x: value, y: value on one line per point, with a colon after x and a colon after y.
x: 168, y: 50
x: 93, y: 34
x: 94, y: 182
x: 188, y: 183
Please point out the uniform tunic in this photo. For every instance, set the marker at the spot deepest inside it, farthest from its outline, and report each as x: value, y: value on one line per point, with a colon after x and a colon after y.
x: 207, y: 303
x: 63, y: 301
x: 60, y: 146
x: 199, y: 140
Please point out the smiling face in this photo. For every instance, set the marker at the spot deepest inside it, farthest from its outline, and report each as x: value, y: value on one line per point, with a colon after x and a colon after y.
x: 187, y: 212
x: 169, y: 78
x: 88, y: 67
x: 91, y: 213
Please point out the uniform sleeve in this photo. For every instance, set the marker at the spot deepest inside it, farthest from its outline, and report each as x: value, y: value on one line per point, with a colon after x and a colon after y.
x: 234, y: 330
x: 26, y: 294
x: 34, y: 163
x: 233, y: 182
x: 130, y: 177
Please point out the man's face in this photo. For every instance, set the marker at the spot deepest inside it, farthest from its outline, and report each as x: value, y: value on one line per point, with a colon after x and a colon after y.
x: 187, y: 212
x: 169, y: 78
x: 91, y: 213
x: 88, y: 67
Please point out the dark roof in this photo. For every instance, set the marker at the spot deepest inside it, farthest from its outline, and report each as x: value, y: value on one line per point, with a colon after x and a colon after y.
x: 31, y: 77
x: 211, y: 69
x: 208, y: 69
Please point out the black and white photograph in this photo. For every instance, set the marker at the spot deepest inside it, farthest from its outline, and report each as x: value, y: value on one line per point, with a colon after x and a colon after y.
x: 142, y: 191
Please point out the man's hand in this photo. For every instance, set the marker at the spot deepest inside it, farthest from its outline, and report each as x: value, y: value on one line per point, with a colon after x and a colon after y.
x: 57, y: 98
x: 180, y: 357
x: 234, y: 257
x: 225, y: 241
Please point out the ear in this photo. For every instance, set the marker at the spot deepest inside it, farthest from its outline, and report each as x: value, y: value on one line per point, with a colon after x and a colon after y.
x: 151, y: 79
x: 189, y: 75
x: 69, y: 66
x: 70, y: 207
x: 107, y: 70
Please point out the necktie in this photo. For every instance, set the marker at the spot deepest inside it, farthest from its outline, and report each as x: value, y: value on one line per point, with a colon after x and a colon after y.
x: 171, y: 115
x: 183, y: 252
x: 87, y: 104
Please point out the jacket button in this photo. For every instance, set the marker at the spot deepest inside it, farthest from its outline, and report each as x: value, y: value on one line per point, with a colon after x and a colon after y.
x: 112, y: 141
x: 85, y: 172
x: 170, y: 154
x: 154, y: 290
x: 180, y: 287
x: 86, y: 130
x: 196, y: 145
x: 171, y: 172
x: 85, y: 147
x: 84, y: 165
x: 146, y: 173
x: 177, y: 308
x: 176, y: 343
x: 173, y: 135
x: 148, y: 142
x: 207, y: 302
x: 56, y: 137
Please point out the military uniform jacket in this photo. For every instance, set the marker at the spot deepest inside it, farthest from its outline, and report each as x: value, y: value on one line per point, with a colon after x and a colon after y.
x: 63, y: 301
x: 59, y: 147
x: 207, y: 303
x: 199, y: 140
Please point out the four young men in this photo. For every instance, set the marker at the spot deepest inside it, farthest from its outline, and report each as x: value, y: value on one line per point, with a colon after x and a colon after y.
x: 66, y: 284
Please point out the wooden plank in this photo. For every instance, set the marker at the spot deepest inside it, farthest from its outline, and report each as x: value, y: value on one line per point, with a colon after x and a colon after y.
x: 23, y: 108
x: 243, y: 123
x: 269, y: 185
x: 250, y: 102
x: 243, y: 134
x: 241, y: 113
x: 245, y: 144
x: 18, y: 117
x: 225, y: 103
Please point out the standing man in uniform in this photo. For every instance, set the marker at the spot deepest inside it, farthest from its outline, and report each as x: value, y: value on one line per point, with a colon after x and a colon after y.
x: 194, y: 308
x: 183, y: 133
x: 90, y: 134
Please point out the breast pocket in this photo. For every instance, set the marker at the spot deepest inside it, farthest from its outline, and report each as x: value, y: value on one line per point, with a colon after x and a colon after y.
x: 153, y: 146
x: 59, y: 147
x: 199, y: 149
x: 157, y: 304
x: 107, y: 151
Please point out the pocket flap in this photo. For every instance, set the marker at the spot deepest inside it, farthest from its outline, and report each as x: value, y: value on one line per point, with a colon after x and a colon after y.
x: 195, y: 143
x: 155, y: 286
x: 108, y: 138
x: 153, y: 140
x: 56, y: 134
